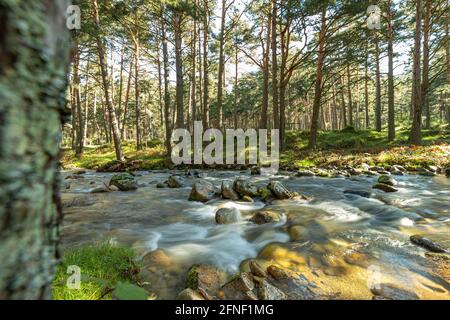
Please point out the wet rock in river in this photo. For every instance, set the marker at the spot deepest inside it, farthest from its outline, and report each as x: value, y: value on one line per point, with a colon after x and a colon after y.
x: 256, y: 171
x: 385, y: 179
x: 447, y: 172
x: 161, y: 185
x: 392, y: 292
x: 361, y: 193
x: 202, y: 191
x: 278, y: 273
x: 429, y: 244
x: 100, y: 189
x: 247, y: 199
x: 78, y: 201
x: 175, y: 182
x: 245, y: 188
x: 280, y: 191
x: 157, y: 258
x: 228, y: 216
x: 427, y: 173
x: 189, y: 294
x: 256, y: 269
x: 205, y: 277
x: 267, y: 291
x: 305, y: 173
x: 124, y: 181
x: 385, y: 187
x: 298, y: 233
x: 265, y: 216
x: 240, y: 288
x: 228, y: 191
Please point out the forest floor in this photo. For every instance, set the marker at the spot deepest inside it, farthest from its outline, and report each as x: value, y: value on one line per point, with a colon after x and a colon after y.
x: 336, y: 148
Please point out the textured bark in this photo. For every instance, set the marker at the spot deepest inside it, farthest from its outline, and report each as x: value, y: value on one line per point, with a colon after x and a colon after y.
x: 318, y: 87
x: 106, y: 84
x: 366, y: 87
x: 350, y: 100
x: 391, y: 91
x: 377, y: 87
x: 205, y: 65
x: 426, y: 64
x: 266, y: 72
x: 177, y: 25
x: 166, y: 89
x: 30, y: 129
x: 276, y: 111
x: 220, y: 83
x: 416, y: 134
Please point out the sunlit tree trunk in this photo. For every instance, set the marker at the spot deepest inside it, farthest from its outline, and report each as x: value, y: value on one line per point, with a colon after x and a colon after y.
x: 31, y: 114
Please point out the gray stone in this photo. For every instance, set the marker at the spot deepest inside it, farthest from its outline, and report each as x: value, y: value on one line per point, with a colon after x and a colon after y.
x: 428, y: 244
x: 265, y: 216
x: 228, y: 216
x: 175, y: 182
x: 245, y: 188
x: 270, y: 292
x: 124, y: 181
x: 228, y: 191
x: 202, y: 191
x: 385, y: 187
x: 280, y: 191
x: 385, y: 179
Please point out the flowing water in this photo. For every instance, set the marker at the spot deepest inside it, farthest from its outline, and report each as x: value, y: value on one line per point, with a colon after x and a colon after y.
x: 342, y: 243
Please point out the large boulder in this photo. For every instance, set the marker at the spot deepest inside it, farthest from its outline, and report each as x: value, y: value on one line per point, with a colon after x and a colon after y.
x: 245, y: 188
x: 228, y: 216
x: 175, y: 182
x: 228, y: 191
x: 124, y: 181
x: 265, y: 216
x: 280, y: 191
x: 202, y: 191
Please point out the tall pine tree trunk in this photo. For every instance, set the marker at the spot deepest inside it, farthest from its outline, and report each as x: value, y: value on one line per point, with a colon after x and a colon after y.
x: 377, y: 87
x: 318, y: 86
x: 426, y: 64
x: 106, y: 83
x: 391, y: 92
x: 416, y: 129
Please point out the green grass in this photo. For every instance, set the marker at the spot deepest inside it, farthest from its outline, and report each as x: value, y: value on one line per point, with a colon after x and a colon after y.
x: 102, y: 267
x: 345, y: 147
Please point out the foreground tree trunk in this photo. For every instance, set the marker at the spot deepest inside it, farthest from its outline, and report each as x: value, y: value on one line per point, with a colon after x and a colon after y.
x: 416, y: 134
x: 30, y: 124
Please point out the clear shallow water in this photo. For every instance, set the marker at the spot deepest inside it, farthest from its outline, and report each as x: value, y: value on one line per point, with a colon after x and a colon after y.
x: 344, y: 243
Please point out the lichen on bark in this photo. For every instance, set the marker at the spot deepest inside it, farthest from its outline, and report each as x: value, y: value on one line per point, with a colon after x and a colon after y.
x: 34, y: 47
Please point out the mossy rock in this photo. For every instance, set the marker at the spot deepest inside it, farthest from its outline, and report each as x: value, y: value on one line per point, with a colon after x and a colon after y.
x: 124, y: 181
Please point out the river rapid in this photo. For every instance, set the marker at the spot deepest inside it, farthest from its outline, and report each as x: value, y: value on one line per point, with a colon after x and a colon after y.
x: 343, y: 244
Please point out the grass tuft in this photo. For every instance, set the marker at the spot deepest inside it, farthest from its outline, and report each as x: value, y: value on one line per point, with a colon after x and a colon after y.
x: 102, y: 267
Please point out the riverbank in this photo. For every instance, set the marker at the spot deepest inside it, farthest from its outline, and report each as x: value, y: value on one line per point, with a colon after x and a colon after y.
x: 336, y: 150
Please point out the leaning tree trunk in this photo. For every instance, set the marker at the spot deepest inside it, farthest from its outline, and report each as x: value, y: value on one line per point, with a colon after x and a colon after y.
x: 31, y: 111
